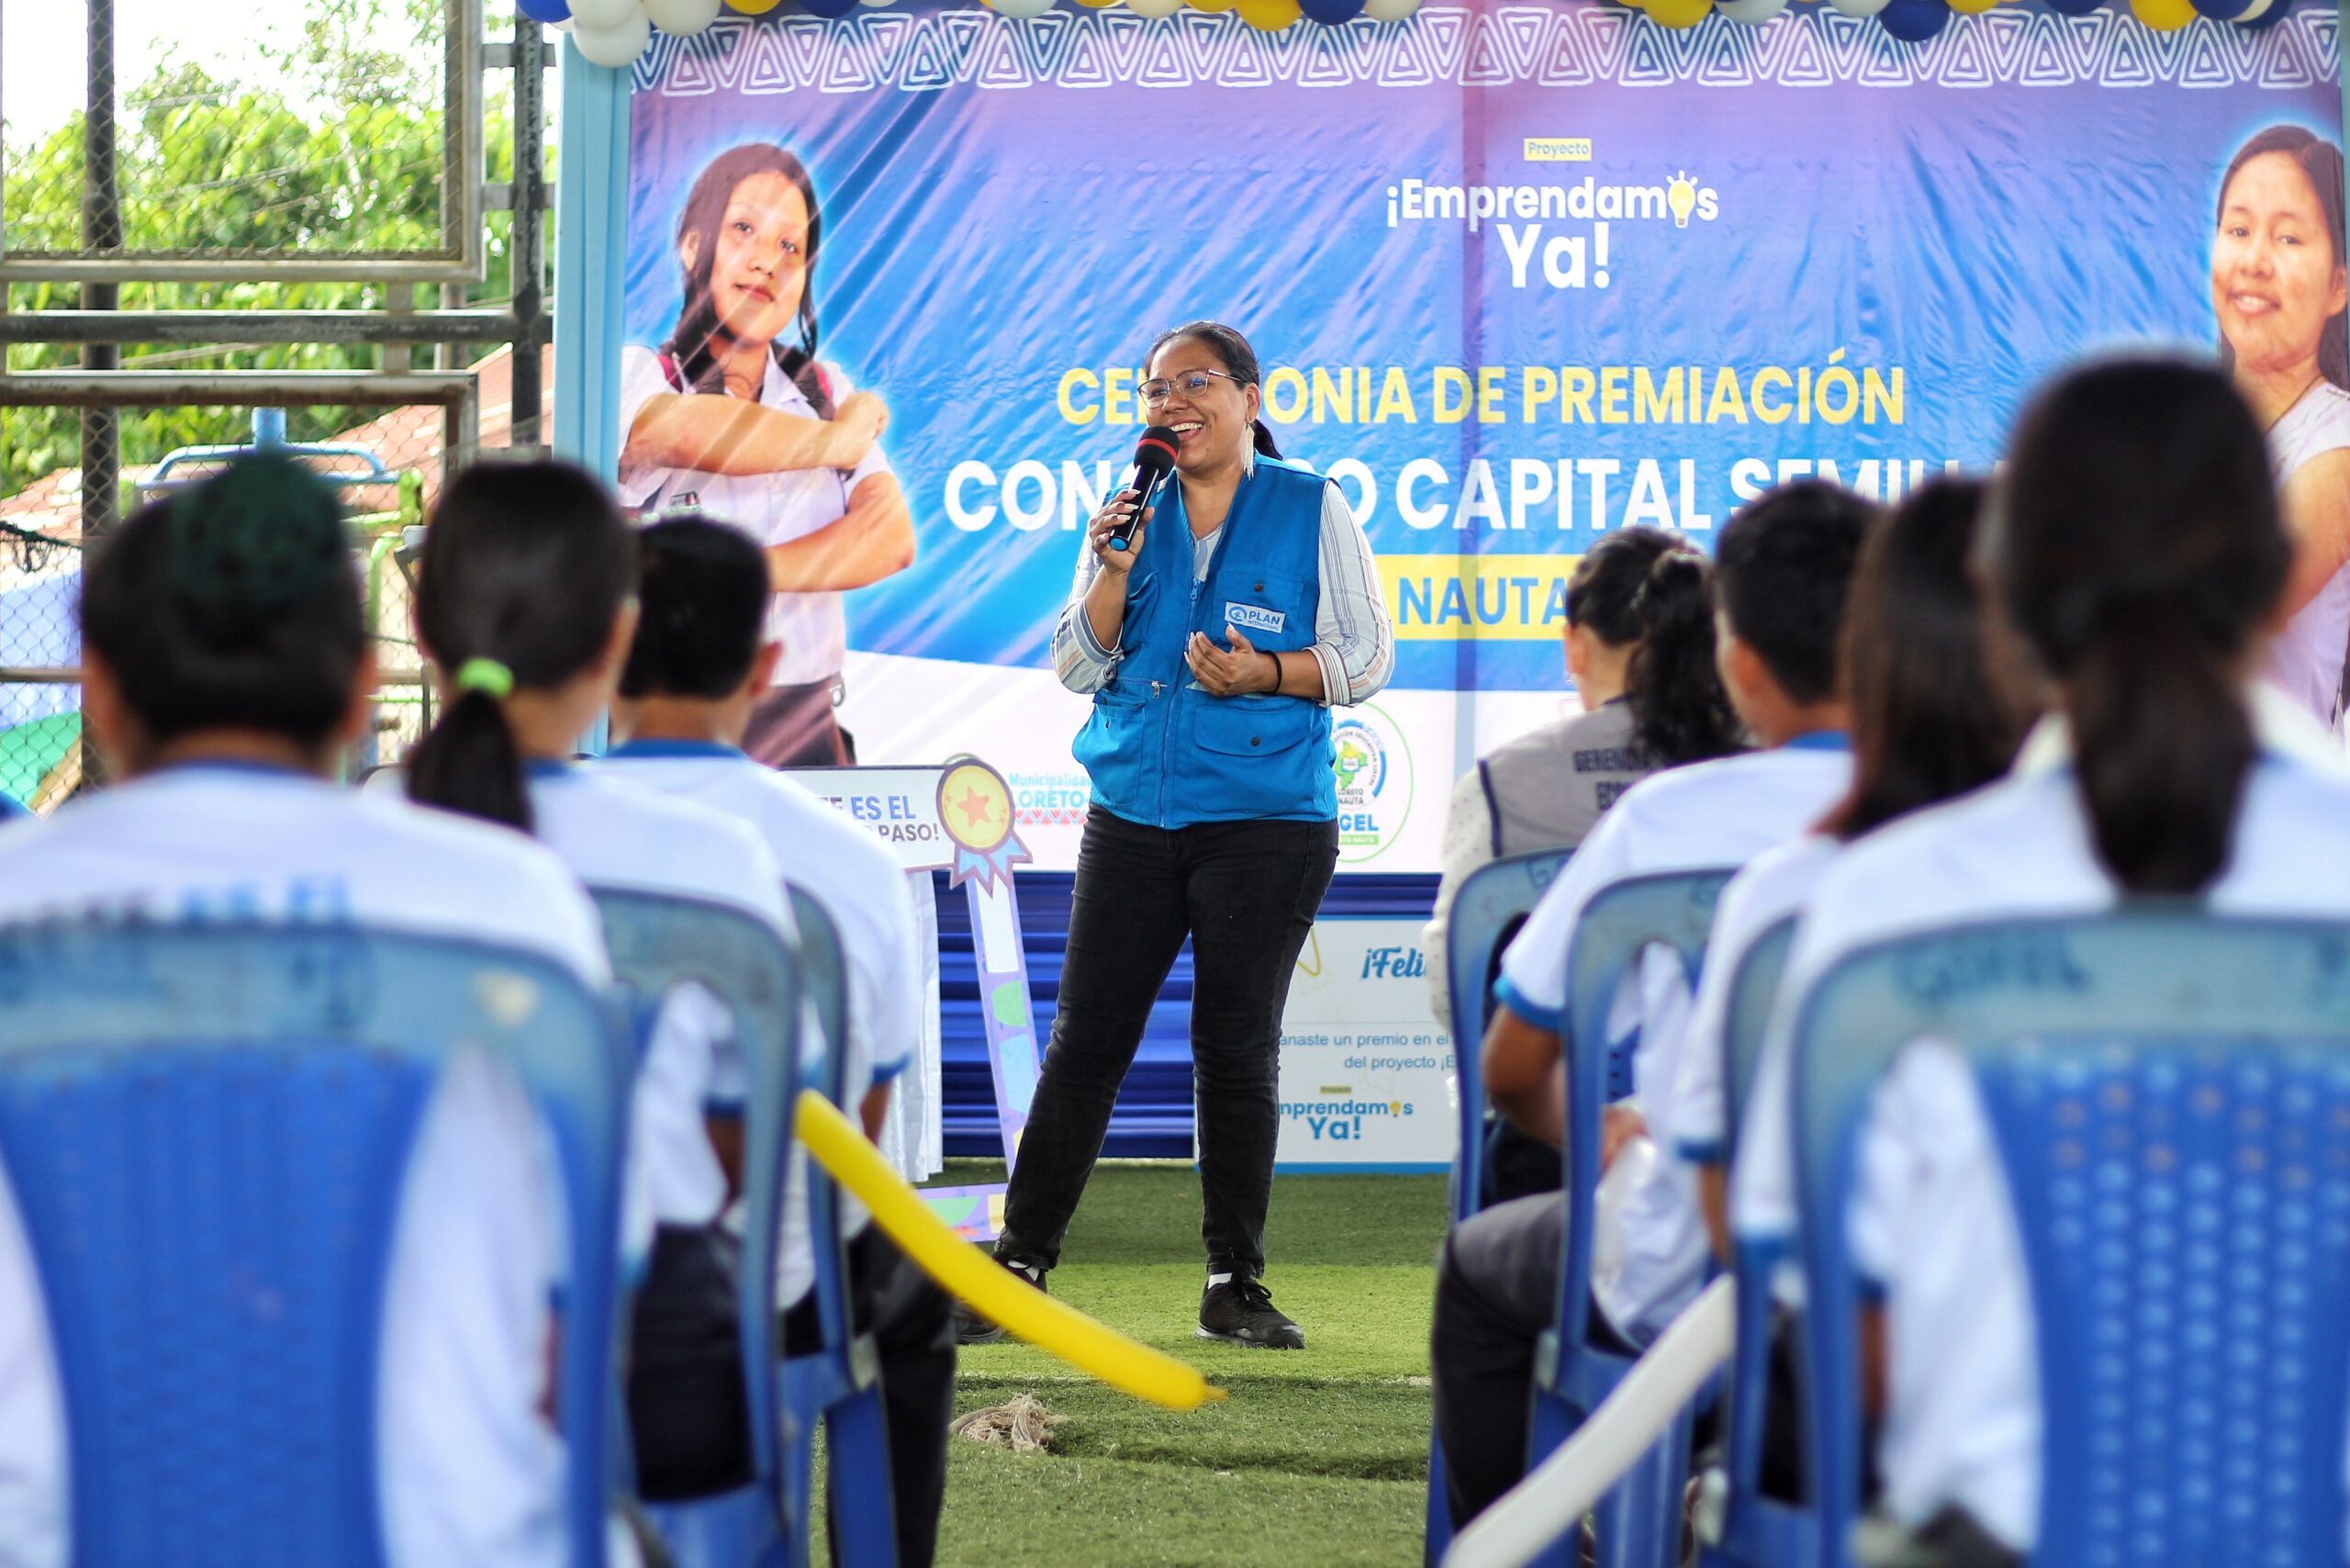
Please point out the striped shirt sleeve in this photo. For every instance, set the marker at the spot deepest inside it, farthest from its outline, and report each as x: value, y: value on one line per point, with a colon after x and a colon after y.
x: 1078, y: 658
x: 1354, y: 641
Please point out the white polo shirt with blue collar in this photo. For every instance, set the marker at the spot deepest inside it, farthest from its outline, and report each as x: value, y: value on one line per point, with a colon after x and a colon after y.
x: 1716, y: 814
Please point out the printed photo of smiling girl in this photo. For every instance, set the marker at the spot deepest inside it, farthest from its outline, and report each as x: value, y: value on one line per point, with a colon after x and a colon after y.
x: 736, y: 418
x: 2279, y: 288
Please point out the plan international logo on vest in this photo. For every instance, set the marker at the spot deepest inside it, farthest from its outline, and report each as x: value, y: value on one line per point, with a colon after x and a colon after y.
x: 1557, y: 236
x: 1374, y: 769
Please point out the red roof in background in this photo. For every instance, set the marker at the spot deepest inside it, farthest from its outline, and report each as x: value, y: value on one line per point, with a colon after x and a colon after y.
x: 407, y: 438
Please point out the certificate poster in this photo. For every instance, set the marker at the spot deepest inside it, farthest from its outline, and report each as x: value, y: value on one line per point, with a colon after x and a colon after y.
x: 1366, y: 1077
x: 1518, y: 274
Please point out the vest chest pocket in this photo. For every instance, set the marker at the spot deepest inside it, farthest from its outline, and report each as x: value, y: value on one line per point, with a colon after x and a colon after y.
x: 1255, y: 726
x: 1275, y: 613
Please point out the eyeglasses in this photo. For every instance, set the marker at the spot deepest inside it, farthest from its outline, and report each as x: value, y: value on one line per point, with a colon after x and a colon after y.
x: 1192, y: 384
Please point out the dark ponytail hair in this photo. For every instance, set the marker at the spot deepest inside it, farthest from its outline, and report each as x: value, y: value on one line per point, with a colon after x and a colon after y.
x: 2138, y: 548
x: 232, y: 604
x: 1680, y: 713
x: 2320, y: 163
x: 1239, y: 363
x: 1931, y: 717
x: 525, y: 565
x: 697, y: 322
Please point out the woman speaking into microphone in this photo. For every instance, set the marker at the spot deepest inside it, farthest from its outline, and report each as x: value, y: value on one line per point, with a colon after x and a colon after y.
x: 1243, y: 605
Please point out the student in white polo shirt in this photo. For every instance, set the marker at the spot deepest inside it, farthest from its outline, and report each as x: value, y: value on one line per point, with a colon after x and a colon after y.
x: 1932, y: 718
x: 227, y: 666
x: 2136, y: 547
x: 1930, y: 722
x: 525, y: 593
x: 1782, y: 570
x: 696, y: 670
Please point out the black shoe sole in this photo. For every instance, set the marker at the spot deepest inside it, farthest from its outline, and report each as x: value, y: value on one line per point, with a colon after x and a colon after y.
x: 989, y: 1335
x: 1203, y: 1331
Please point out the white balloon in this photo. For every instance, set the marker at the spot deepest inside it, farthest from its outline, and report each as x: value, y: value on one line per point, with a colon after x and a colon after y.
x: 603, y: 16
x: 1021, y: 10
x: 1753, y: 13
x: 1154, y: 9
x: 2254, y: 12
x: 1863, y: 9
x: 681, y: 18
x: 616, y: 47
x: 876, y: 4
x: 1389, y: 10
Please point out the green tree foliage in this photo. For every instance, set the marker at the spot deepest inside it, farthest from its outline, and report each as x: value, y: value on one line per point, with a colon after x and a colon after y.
x: 207, y: 165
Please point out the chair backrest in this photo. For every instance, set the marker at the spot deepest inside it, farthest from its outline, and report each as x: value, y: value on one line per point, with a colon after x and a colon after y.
x: 206, y: 1131
x: 660, y: 941
x: 1752, y: 991
x: 2170, y: 1096
x: 1492, y: 903
x: 823, y: 974
x: 1622, y: 921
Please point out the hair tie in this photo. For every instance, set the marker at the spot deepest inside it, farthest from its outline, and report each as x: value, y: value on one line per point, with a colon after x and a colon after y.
x: 485, y: 675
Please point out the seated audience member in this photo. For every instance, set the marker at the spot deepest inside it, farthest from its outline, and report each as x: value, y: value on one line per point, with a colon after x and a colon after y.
x: 525, y: 601
x: 694, y: 671
x: 227, y: 665
x: 1642, y: 661
x: 2135, y: 546
x: 10, y: 810
x: 1640, y: 647
x: 1930, y: 719
x: 1782, y: 571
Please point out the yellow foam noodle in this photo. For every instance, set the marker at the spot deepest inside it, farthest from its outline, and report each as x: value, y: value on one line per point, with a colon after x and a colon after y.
x: 965, y: 1273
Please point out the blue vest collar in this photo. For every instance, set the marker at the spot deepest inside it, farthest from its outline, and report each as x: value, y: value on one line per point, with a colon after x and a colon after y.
x: 1822, y: 740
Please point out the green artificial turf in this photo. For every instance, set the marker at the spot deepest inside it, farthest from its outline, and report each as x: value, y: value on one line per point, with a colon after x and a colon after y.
x: 1319, y: 1457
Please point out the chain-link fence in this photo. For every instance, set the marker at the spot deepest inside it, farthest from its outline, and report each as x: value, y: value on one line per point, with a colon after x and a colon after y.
x: 309, y: 234
x: 387, y: 464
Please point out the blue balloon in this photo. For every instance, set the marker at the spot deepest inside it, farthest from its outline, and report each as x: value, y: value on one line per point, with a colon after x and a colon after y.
x: 1337, y: 12
x: 2268, y: 18
x: 553, y: 11
x: 2081, y: 7
x: 1914, y: 21
x: 2221, y: 10
x: 836, y: 8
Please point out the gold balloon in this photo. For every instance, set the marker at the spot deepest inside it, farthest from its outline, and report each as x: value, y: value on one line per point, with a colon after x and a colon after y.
x: 1210, y: 5
x: 753, y: 7
x: 1268, y: 15
x: 1679, y: 13
x: 2164, y: 16
x: 1972, y: 8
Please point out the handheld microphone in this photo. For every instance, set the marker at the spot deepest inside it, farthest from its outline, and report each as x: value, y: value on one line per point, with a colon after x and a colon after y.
x: 1154, y: 460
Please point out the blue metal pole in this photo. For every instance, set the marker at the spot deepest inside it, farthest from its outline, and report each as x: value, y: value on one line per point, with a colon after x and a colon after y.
x: 591, y: 253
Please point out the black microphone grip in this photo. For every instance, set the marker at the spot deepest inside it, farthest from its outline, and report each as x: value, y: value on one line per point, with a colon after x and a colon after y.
x: 1154, y: 460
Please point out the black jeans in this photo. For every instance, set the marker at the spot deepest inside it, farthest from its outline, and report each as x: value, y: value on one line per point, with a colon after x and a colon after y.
x: 1245, y: 893
x: 913, y: 1323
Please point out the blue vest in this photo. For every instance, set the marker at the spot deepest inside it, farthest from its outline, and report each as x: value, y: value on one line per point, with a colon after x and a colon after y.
x: 1166, y: 754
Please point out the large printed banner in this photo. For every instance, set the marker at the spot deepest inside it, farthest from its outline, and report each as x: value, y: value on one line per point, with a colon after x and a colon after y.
x: 1517, y: 276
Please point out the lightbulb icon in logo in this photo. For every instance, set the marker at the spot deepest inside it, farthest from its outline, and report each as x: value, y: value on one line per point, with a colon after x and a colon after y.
x: 1682, y: 197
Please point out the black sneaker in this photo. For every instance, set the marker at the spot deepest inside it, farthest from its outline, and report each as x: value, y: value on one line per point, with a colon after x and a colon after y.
x: 1241, y: 1311
x: 971, y: 1329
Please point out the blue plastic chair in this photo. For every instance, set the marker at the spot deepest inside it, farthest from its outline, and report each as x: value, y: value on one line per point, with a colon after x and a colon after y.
x: 2170, y: 1096
x: 207, y: 1131
x: 660, y: 941
x: 1640, y: 1524
x: 1496, y: 897
x: 1756, y: 1531
x: 841, y: 1384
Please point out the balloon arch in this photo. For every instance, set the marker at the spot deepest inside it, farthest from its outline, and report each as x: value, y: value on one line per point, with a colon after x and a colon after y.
x: 614, y: 32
